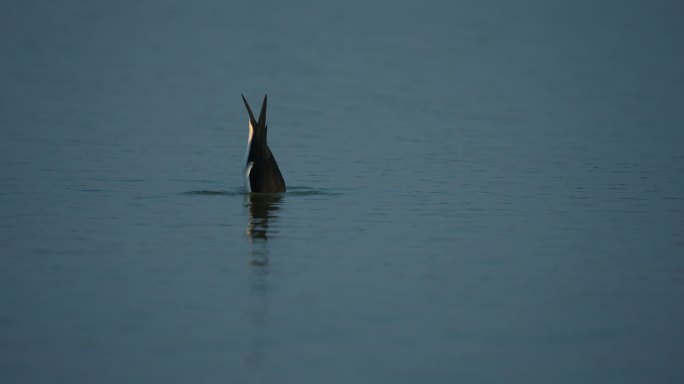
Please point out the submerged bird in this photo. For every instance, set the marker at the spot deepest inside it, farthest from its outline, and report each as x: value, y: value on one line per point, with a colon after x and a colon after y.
x: 261, y: 170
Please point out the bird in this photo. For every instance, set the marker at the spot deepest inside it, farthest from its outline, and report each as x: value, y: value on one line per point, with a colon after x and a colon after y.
x: 262, y: 174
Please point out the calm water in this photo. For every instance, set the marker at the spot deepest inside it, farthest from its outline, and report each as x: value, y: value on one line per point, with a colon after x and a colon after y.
x: 477, y: 193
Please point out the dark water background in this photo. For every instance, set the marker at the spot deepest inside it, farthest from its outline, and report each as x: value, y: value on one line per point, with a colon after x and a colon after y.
x: 479, y: 192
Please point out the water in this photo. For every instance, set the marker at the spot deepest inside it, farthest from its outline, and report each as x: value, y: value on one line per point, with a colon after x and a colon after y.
x: 478, y: 192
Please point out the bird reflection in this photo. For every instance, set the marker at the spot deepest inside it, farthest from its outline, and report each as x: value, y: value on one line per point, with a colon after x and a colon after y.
x: 263, y: 209
x: 263, y: 212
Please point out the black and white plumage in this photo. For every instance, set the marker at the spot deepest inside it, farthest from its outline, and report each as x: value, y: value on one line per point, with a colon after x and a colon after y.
x: 261, y: 170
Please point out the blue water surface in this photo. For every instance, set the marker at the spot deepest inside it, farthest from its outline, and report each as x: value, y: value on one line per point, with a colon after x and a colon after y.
x: 478, y: 192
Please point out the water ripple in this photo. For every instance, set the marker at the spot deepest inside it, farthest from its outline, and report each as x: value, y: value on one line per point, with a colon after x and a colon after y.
x: 291, y: 191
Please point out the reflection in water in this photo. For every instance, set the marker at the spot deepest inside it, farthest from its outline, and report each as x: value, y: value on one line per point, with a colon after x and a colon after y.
x: 262, y: 209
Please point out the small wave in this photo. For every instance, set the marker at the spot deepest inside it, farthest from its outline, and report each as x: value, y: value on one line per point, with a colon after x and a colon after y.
x: 236, y: 192
x: 307, y: 191
x: 291, y: 191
